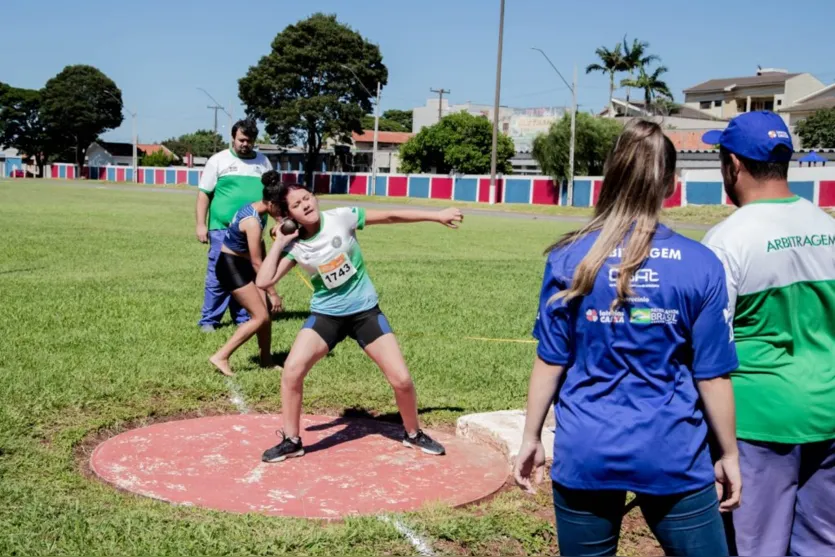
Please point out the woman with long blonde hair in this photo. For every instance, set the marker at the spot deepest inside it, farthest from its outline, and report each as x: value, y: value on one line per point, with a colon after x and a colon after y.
x: 634, y: 353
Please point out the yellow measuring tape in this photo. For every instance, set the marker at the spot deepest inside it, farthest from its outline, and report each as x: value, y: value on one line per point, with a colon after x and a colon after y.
x: 517, y: 340
x: 303, y: 278
x: 482, y: 339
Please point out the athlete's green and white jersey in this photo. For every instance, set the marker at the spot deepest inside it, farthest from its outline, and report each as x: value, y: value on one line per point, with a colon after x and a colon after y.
x: 779, y: 258
x: 232, y: 182
x: 333, y: 261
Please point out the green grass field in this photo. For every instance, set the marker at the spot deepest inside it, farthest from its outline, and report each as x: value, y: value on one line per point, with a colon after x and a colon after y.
x: 101, y: 293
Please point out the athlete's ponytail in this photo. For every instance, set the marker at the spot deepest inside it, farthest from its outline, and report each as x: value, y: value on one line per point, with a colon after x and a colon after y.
x: 276, y: 191
x: 638, y: 175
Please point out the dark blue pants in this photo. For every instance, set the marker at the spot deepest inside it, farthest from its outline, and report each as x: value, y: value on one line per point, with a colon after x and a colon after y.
x: 588, y: 522
x: 216, y: 299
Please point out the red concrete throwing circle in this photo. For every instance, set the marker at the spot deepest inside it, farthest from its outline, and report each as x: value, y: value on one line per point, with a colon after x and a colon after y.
x: 350, y: 466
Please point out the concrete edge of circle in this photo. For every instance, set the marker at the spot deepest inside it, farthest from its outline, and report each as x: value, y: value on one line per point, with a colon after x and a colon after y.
x: 502, y: 430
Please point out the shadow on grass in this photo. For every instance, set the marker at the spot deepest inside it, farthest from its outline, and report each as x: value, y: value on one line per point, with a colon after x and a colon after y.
x: 361, y: 423
x: 283, y: 316
x: 279, y: 358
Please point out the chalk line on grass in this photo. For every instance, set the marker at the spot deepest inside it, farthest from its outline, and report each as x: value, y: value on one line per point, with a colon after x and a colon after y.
x: 236, y: 397
x: 420, y: 545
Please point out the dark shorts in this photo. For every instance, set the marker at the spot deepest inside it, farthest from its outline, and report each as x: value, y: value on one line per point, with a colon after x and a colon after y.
x: 364, y: 327
x: 233, y: 271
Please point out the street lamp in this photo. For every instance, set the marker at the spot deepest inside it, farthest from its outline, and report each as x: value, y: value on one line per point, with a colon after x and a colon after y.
x: 373, y: 184
x: 573, y: 89
x: 494, y: 150
x: 133, y: 132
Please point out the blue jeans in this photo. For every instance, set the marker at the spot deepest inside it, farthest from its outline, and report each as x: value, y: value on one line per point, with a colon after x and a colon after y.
x: 588, y: 522
x: 216, y: 299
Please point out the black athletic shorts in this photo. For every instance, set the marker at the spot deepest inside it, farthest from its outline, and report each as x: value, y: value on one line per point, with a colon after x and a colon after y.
x: 364, y: 327
x: 233, y: 271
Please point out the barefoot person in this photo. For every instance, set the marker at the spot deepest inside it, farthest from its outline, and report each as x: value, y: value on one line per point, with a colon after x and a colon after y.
x: 344, y: 304
x: 634, y: 352
x: 237, y: 264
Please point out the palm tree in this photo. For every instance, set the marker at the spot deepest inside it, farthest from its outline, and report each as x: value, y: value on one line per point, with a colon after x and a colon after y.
x: 652, y: 85
x: 612, y: 62
x: 635, y: 58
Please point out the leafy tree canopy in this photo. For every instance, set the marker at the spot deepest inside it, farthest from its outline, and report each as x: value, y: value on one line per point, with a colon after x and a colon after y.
x: 202, y: 143
x: 461, y: 142
x: 818, y: 130
x: 78, y: 105
x: 314, y: 84
x: 594, y: 138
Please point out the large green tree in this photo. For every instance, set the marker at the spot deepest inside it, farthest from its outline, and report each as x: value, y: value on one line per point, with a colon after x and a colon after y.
x: 386, y: 125
x: 78, y: 105
x: 402, y: 117
x: 202, y: 143
x: 313, y: 85
x: 21, y: 125
x: 611, y: 62
x: 461, y: 142
x: 595, y: 137
x: 818, y: 130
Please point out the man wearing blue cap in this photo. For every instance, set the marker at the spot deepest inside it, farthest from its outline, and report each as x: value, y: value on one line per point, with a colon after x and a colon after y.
x: 779, y: 256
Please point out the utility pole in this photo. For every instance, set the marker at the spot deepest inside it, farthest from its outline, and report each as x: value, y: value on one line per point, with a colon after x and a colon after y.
x: 374, y: 152
x: 570, y: 193
x: 493, y: 153
x: 215, y: 108
x: 370, y: 188
x: 135, y: 139
x: 134, y: 159
x: 232, y: 124
x: 441, y: 92
x: 573, y: 89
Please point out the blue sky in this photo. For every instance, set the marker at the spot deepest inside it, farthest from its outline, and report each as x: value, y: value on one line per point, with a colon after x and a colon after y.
x: 160, y: 52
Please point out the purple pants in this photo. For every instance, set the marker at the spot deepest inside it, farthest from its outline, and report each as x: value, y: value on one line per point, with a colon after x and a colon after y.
x: 215, y: 299
x: 788, y: 499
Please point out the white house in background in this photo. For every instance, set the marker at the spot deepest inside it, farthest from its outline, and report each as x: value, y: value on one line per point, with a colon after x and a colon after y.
x: 522, y: 125
x: 808, y: 105
x: 770, y: 89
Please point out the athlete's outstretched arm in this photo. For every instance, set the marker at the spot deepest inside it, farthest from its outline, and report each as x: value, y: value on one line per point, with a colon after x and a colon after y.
x: 274, y: 266
x: 448, y: 217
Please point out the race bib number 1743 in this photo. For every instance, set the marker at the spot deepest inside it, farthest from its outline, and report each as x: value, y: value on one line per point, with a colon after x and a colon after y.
x: 337, y: 272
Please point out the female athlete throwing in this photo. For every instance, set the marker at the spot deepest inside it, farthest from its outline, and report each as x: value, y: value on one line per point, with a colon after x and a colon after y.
x: 344, y: 304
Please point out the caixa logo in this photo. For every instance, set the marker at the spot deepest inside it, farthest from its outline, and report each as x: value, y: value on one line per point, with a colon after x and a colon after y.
x: 643, y: 278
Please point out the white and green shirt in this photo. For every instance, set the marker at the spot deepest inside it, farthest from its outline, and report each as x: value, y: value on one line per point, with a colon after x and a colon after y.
x: 333, y: 261
x: 232, y: 182
x: 779, y: 258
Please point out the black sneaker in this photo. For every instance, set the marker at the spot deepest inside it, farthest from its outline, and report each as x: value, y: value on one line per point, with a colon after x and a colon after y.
x: 423, y: 442
x: 284, y: 450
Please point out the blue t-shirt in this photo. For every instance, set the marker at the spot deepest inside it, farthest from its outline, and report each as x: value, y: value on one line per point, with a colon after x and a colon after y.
x: 628, y: 414
x: 234, y: 239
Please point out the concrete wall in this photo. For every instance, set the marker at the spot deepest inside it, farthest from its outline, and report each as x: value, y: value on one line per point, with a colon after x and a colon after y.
x: 11, y: 165
x: 695, y: 186
x: 704, y: 187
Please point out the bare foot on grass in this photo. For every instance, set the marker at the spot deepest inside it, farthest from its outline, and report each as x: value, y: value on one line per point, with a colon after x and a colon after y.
x: 222, y: 366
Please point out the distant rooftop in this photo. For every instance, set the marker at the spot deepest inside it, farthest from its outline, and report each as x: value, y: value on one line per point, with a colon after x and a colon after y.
x: 367, y: 136
x: 768, y: 76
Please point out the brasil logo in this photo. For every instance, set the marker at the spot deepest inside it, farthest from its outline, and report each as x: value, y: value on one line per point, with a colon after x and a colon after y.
x: 640, y: 315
